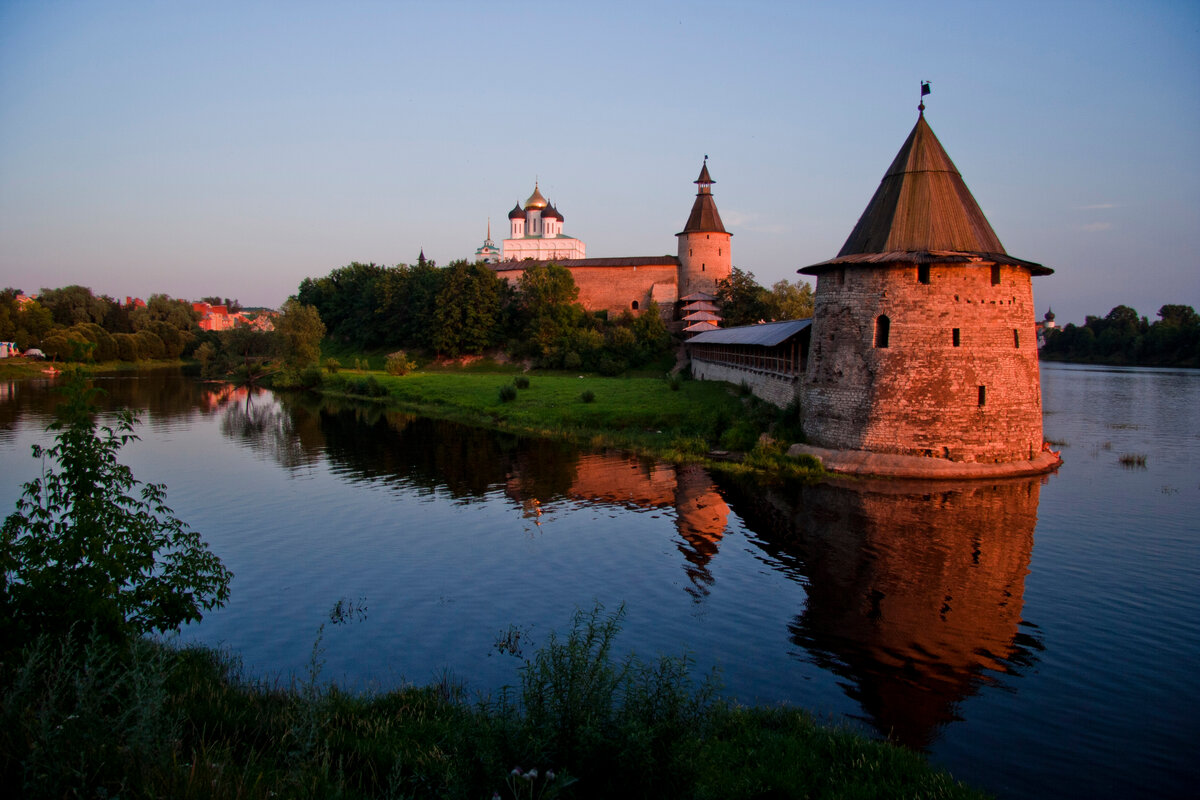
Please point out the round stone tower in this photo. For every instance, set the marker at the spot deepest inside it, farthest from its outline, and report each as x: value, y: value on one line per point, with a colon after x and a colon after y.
x: 924, y: 341
x: 704, y: 256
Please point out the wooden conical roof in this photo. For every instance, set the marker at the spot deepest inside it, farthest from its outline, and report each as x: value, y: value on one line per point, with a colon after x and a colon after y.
x: 922, y: 203
x: 704, y: 217
x: 923, y: 212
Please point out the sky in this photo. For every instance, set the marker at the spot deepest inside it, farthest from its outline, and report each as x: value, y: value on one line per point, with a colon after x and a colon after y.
x: 234, y: 149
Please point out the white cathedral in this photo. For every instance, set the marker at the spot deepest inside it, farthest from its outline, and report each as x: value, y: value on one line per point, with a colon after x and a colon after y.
x: 536, y: 232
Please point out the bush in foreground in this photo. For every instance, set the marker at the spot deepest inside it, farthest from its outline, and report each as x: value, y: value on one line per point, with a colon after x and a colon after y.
x: 90, y: 544
x: 141, y: 719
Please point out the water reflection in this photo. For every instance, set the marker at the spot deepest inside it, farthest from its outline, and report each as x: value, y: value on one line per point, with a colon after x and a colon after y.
x: 701, y: 514
x: 252, y: 417
x: 366, y: 442
x: 914, y: 591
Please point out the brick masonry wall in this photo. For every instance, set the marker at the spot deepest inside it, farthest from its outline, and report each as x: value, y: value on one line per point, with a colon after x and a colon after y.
x: 920, y: 394
x: 772, y: 388
x: 704, y: 259
x: 614, y: 289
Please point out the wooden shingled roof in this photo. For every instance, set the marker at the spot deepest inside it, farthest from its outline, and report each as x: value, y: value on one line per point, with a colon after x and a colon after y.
x: 923, y: 212
x: 704, y: 216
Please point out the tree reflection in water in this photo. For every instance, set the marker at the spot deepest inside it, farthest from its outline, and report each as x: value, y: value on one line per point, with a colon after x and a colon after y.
x: 251, y: 417
x: 914, y: 591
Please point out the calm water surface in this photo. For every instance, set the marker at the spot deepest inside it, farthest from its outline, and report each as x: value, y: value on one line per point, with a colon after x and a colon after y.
x: 1036, y: 637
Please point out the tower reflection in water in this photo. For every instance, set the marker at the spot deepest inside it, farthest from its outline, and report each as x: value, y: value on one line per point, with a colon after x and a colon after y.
x: 700, y: 511
x: 914, y: 590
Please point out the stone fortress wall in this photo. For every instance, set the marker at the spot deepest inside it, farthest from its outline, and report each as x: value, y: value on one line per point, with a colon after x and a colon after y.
x: 959, y: 349
x: 775, y: 389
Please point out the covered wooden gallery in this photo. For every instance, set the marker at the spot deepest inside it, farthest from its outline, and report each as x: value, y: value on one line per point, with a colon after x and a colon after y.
x: 776, y: 348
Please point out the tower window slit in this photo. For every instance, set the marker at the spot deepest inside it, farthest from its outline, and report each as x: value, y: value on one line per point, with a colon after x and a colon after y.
x: 957, y: 337
x: 1016, y: 338
x: 882, y: 330
x: 923, y: 273
x: 995, y: 274
x: 982, y: 396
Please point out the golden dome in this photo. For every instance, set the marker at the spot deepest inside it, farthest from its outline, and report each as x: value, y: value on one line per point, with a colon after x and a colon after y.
x: 535, y: 200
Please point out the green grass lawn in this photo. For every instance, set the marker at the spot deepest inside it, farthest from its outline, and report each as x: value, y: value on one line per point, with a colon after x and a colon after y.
x: 680, y: 421
x: 630, y: 412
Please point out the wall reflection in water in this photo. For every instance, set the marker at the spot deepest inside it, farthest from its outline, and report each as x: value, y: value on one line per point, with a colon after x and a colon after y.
x: 914, y: 590
x: 367, y: 442
x: 701, y: 514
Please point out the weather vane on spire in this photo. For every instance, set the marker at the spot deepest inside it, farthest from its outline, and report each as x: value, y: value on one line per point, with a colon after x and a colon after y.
x: 924, y: 91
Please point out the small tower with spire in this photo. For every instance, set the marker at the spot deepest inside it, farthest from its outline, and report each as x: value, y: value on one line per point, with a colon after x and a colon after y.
x: 704, y: 253
x: 488, y: 253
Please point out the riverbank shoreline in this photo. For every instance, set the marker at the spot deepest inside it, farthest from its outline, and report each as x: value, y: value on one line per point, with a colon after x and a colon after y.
x: 679, y: 421
x: 861, y: 463
x: 154, y: 718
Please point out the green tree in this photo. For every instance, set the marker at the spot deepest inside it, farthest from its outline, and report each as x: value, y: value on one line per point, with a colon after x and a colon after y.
x: 789, y: 301
x: 72, y: 304
x: 150, y: 345
x: 89, y: 543
x: 127, y: 346
x: 8, y: 314
x: 651, y: 332
x: 34, y: 322
x: 298, y: 334
x: 104, y: 347
x: 422, y: 284
x: 117, y: 319
x: 244, y: 350
x: 162, y: 308
x: 548, y: 311
x: 467, y: 311
x: 347, y: 301
x: 68, y: 344
x: 741, y: 300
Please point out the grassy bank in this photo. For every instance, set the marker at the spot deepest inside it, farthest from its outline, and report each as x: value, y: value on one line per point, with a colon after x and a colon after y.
x: 673, y: 419
x: 17, y: 368
x: 90, y: 719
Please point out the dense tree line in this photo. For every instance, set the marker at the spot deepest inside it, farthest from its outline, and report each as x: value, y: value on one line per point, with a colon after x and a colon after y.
x: 72, y: 324
x: 466, y: 309
x: 744, y: 302
x: 1122, y: 337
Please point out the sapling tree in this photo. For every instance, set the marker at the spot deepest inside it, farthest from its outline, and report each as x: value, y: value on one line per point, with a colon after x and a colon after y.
x: 88, y: 543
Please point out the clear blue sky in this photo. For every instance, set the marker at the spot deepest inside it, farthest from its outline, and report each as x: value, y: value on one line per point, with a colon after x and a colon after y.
x: 237, y: 148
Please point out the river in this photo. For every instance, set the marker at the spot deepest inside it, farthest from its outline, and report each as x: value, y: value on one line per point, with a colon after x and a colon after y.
x: 1035, y: 637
